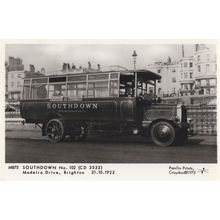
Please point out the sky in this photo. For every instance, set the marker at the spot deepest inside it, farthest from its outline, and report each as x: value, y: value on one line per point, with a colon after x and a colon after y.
x: 52, y: 56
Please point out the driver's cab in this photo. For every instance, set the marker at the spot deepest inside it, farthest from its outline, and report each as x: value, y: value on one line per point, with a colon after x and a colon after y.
x: 140, y: 84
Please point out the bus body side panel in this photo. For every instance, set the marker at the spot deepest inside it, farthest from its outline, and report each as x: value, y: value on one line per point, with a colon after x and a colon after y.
x: 88, y: 109
x: 34, y: 110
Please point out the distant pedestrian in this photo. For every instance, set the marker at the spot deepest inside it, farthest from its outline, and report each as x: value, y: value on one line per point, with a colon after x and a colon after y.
x: 159, y: 100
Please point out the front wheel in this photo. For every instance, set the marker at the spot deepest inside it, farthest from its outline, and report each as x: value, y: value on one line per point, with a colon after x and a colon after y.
x: 163, y: 134
x: 55, y: 130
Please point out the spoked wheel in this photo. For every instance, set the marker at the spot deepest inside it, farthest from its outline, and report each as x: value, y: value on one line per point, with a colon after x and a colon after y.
x: 163, y: 134
x: 79, y: 133
x: 55, y: 130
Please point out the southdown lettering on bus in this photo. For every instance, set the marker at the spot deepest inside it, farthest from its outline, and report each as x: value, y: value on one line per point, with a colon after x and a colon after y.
x: 70, y: 106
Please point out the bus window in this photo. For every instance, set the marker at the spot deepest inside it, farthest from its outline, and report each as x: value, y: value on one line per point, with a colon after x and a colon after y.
x: 127, y: 85
x: 57, y: 79
x: 76, y: 90
x: 126, y: 89
x: 77, y: 78
x: 27, y: 82
x: 114, y: 76
x: 98, y: 77
x: 98, y: 89
x: 57, y: 90
x: 38, y: 91
x: 39, y: 80
x: 26, y: 91
x: 114, y: 88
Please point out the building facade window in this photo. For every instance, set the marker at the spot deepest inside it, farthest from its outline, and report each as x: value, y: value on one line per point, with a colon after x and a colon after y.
x: 199, y: 68
x: 18, y: 84
x: 159, y: 71
x: 191, y: 64
x: 198, y: 82
x: 185, y: 65
x: 212, y: 82
x: 173, y: 79
x: 198, y: 58
x: 191, y: 75
x: 185, y: 75
x: 207, y: 68
x: 203, y: 82
x: 207, y: 82
x: 207, y: 57
x: 19, y: 75
x: 12, y: 84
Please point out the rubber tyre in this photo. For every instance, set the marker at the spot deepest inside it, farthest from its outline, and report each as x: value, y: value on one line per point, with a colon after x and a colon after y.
x: 163, y: 134
x: 55, y: 130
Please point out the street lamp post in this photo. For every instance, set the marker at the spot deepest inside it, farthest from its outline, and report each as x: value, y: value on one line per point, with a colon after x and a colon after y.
x: 134, y: 55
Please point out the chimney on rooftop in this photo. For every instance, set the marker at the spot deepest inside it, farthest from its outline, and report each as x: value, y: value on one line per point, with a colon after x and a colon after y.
x: 99, y: 67
x: 42, y: 71
x: 168, y: 60
x: 32, y: 68
x: 183, y: 52
x: 73, y: 66
x: 89, y: 65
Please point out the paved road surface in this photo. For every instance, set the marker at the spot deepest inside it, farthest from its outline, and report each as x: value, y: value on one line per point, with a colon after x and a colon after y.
x: 95, y: 149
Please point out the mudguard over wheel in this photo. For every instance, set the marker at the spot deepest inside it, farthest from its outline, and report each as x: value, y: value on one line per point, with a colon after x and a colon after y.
x: 163, y: 134
x: 181, y: 136
x: 55, y: 130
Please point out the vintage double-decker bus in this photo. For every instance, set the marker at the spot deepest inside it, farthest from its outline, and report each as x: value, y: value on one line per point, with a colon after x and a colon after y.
x: 111, y: 102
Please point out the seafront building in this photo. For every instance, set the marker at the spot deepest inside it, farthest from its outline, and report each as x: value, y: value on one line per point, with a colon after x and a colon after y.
x: 205, y: 70
x: 170, y: 77
x: 191, y: 75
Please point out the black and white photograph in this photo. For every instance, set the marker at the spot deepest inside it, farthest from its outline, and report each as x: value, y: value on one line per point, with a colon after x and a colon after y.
x: 111, y: 103
x: 109, y: 110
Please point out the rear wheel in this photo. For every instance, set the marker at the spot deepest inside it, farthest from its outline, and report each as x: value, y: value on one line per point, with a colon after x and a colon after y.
x: 79, y: 133
x: 163, y: 134
x: 55, y: 130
